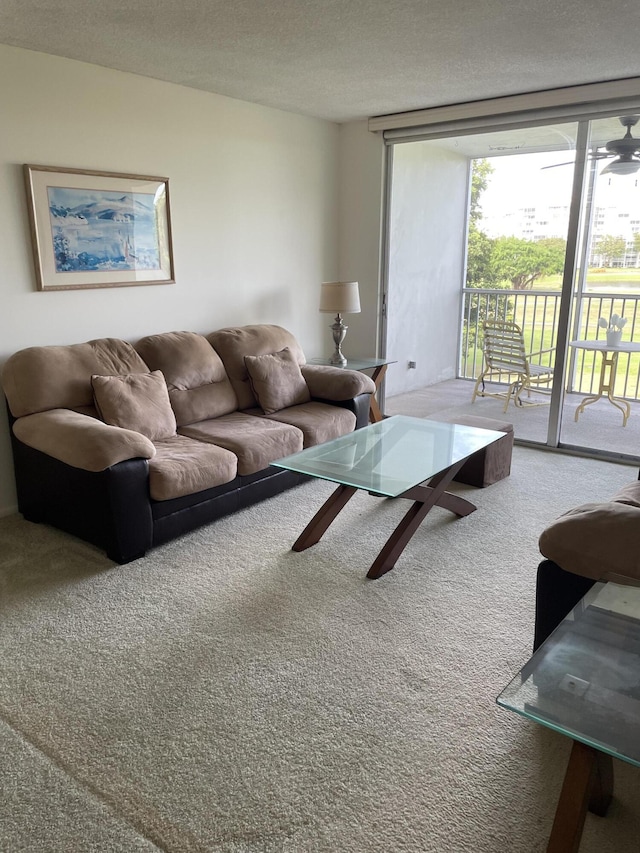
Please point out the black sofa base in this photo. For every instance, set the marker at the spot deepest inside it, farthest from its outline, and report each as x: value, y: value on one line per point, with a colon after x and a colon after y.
x: 557, y: 592
x: 111, y: 509
x: 208, y: 506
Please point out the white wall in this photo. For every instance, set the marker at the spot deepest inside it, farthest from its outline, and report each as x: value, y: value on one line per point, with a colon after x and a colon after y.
x: 361, y: 198
x: 254, y: 201
x: 426, y: 262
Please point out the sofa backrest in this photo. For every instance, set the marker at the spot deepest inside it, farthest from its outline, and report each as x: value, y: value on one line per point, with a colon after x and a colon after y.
x: 38, y: 379
x: 199, y: 387
x: 233, y: 343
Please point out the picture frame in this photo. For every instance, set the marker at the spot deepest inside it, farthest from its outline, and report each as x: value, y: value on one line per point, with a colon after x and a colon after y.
x: 98, y: 229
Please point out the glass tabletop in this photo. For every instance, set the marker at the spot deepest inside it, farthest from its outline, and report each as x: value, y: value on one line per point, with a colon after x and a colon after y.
x: 584, y: 680
x: 391, y: 456
x: 355, y: 363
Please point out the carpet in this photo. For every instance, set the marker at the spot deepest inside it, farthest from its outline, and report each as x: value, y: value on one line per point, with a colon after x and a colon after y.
x: 227, y: 695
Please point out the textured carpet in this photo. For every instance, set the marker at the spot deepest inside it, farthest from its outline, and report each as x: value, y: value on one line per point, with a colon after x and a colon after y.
x: 225, y: 694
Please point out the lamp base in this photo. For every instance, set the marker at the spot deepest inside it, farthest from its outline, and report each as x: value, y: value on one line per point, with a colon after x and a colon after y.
x: 338, y: 330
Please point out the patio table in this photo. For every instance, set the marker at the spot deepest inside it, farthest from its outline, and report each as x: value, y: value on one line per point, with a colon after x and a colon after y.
x: 608, y: 369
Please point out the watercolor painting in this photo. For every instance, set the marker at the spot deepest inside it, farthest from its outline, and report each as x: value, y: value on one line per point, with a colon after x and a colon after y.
x: 98, y: 229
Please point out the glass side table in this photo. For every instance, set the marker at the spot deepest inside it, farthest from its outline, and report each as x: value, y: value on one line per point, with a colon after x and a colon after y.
x: 379, y: 368
x: 584, y: 682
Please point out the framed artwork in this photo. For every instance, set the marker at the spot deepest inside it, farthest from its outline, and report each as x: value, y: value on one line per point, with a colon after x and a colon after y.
x: 98, y: 229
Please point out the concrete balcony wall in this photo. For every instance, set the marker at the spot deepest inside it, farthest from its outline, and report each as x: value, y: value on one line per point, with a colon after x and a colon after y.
x: 426, y: 264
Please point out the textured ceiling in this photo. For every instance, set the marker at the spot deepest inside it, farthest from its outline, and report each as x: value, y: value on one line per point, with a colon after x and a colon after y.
x: 341, y: 59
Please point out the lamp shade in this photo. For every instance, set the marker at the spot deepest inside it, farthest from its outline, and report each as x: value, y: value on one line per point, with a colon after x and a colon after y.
x: 340, y: 297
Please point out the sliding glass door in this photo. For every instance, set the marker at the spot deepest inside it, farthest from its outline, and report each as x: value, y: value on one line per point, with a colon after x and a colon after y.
x: 519, y: 226
x: 601, y: 409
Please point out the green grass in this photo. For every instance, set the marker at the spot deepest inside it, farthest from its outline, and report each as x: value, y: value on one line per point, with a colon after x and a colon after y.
x: 597, y: 280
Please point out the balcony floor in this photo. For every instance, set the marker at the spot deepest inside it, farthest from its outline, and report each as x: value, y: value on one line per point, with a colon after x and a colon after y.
x: 599, y: 427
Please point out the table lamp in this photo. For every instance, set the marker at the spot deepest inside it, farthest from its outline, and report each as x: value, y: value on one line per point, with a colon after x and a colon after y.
x: 339, y: 297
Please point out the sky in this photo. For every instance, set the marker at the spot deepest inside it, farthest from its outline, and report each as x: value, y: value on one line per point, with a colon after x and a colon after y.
x: 519, y: 180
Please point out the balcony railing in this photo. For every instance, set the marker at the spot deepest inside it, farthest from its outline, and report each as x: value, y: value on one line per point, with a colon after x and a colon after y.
x: 537, y: 312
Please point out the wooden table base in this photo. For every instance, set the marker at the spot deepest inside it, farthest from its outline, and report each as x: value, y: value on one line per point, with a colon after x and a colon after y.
x: 588, y: 785
x: 424, y: 497
x: 375, y: 414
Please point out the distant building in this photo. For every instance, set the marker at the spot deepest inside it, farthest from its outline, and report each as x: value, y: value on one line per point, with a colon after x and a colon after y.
x: 538, y: 222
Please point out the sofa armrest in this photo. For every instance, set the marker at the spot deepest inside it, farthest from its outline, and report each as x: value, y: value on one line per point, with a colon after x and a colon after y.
x: 110, y: 508
x: 80, y: 440
x: 596, y: 540
x: 336, y: 383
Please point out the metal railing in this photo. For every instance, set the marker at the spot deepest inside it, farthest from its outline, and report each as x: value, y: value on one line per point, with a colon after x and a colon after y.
x: 536, y: 312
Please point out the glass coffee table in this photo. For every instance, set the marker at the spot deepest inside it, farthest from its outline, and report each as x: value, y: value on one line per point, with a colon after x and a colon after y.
x: 399, y: 457
x: 584, y: 682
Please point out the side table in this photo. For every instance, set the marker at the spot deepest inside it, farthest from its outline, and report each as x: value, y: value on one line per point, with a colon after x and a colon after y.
x: 379, y: 368
x: 583, y: 682
x: 608, y: 369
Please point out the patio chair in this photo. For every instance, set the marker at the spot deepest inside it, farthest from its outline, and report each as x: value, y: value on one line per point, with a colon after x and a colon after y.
x: 505, y: 361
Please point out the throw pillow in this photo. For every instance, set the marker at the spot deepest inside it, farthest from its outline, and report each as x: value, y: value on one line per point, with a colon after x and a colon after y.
x: 136, y: 401
x: 276, y: 380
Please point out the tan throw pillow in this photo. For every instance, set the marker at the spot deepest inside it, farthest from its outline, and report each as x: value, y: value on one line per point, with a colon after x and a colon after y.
x: 136, y: 401
x: 276, y: 380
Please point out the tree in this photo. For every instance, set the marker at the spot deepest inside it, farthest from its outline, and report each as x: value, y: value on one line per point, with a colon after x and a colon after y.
x: 480, y: 172
x: 479, y: 246
x: 610, y: 248
x: 522, y: 262
x: 480, y: 271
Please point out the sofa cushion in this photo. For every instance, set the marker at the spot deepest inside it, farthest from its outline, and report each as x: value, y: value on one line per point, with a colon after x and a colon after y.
x: 319, y: 422
x: 234, y: 343
x: 182, y: 466
x: 136, y: 401
x: 199, y: 387
x: 256, y: 441
x: 596, y: 540
x: 59, y: 377
x: 276, y: 380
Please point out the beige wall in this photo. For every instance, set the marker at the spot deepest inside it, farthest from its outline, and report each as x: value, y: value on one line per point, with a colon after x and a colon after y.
x: 360, y: 216
x: 255, y: 199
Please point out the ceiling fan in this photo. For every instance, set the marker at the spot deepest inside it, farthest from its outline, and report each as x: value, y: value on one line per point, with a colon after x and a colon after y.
x: 624, y: 151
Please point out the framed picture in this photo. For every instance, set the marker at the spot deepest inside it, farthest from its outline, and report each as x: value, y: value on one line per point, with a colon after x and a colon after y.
x: 98, y: 229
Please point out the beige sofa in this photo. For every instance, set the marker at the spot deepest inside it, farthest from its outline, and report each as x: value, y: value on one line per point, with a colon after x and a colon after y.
x: 591, y: 542
x: 128, y: 446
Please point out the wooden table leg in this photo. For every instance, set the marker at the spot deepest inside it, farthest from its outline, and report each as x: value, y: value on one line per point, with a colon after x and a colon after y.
x: 316, y: 528
x: 375, y: 414
x: 425, y: 497
x: 588, y: 785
